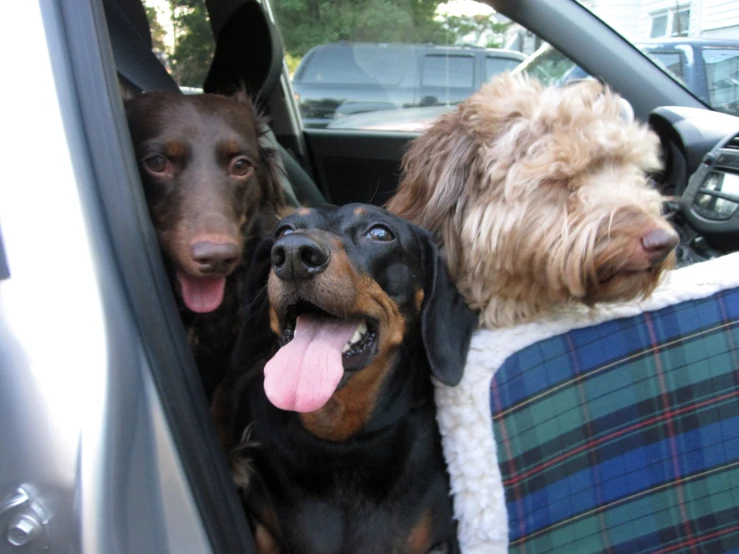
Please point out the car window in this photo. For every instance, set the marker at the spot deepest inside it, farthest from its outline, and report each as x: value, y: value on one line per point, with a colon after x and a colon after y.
x: 391, y: 65
x: 182, y: 39
x: 493, y: 66
x: 722, y: 75
x: 548, y: 65
x: 448, y: 71
x: 671, y: 61
x: 355, y: 66
x: 695, y: 42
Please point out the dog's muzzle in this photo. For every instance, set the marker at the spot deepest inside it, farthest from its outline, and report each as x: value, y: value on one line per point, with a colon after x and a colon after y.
x: 297, y: 257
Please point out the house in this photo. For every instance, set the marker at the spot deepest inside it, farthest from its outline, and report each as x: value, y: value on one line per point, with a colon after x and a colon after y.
x: 644, y: 19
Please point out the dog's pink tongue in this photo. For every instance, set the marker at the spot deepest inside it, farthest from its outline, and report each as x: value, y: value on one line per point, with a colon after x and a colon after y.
x: 201, y: 294
x: 305, y: 372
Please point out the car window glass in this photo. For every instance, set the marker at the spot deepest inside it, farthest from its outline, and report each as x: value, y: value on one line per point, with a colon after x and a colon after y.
x: 394, y: 65
x: 722, y: 75
x: 493, y: 66
x: 550, y: 66
x: 671, y: 61
x: 182, y: 40
x: 448, y: 71
x: 695, y: 42
x: 358, y: 66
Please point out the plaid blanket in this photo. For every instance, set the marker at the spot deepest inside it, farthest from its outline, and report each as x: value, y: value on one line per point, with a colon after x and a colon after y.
x: 624, y: 436
x: 605, y: 430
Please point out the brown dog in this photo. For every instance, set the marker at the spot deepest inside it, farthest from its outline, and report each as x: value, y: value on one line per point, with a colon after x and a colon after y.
x: 540, y: 197
x: 212, y: 191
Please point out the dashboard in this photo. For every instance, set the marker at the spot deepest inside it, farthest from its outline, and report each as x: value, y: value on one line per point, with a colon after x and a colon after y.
x: 701, y: 150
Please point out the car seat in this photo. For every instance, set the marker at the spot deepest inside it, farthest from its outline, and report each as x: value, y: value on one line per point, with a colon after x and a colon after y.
x: 253, y: 58
x: 612, y: 430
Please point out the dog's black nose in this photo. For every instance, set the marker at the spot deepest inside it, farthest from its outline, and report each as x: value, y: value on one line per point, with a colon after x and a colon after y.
x: 297, y: 257
x: 658, y: 244
x: 212, y: 257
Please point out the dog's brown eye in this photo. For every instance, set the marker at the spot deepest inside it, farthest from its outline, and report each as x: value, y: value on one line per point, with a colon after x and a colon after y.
x: 284, y: 230
x: 241, y: 167
x: 157, y: 164
x: 380, y: 233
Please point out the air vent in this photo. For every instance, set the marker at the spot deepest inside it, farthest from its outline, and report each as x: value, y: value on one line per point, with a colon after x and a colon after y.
x: 733, y: 144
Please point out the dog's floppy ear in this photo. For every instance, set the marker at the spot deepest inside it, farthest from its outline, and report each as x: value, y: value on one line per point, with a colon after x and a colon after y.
x: 447, y: 322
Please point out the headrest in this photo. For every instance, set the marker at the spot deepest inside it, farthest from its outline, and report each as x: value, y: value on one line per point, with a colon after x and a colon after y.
x: 130, y: 39
x: 248, y: 52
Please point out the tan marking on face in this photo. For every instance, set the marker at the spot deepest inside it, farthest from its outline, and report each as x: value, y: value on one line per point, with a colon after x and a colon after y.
x: 265, y: 541
x: 274, y: 322
x: 350, y: 407
x: 304, y: 211
x: 231, y: 147
x: 360, y: 211
x: 419, y: 299
x: 174, y: 149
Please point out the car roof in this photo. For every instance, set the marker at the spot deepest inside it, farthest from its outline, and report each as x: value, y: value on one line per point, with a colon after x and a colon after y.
x: 689, y: 40
x: 421, y: 45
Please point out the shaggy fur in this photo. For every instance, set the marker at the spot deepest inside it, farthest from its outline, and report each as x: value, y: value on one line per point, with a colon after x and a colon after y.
x: 540, y: 197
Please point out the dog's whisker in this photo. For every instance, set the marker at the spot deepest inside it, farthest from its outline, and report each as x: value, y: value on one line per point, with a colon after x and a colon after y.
x: 257, y: 298
x: 374, y: 193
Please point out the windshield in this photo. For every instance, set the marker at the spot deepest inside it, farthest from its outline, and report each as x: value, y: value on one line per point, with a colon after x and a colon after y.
x: 695, y: 41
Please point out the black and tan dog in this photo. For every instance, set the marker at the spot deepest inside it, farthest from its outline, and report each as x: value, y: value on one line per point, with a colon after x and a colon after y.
x: 336, y: 395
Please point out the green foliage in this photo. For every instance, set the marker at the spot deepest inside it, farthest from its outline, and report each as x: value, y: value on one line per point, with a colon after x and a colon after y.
x: 307, y: 23
x: 472, y: 29
x: 157, y: 31
x: 193, y: 48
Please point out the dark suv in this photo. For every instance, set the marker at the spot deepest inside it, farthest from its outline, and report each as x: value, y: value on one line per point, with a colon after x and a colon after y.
x: 346, y: 78
x: 709, y: 68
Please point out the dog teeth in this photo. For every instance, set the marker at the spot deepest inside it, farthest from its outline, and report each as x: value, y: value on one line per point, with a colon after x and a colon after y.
x: 358, y: 335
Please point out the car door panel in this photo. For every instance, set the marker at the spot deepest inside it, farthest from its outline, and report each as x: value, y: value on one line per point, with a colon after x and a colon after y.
x: 356, y: 166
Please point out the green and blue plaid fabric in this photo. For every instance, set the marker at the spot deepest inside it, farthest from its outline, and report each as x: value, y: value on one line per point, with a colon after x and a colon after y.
x: 624, y: 437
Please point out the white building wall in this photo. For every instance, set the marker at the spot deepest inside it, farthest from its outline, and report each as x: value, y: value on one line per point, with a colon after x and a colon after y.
x: 622, y: 16
x: 719, y: 14
x: 650, y: 7
x: 708, y: 18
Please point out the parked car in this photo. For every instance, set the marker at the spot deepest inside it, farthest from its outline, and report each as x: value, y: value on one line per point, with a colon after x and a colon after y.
x: 709, y: 68
x: 346, y: 78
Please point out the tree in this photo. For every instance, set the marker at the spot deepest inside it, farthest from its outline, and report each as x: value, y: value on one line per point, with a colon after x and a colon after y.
x: 157, y: 31
x: 306, y: 23
x: 476, y: 29
x: 193, y: 42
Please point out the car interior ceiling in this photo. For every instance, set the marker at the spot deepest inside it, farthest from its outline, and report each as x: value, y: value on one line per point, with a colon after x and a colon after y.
x: 252, y: 59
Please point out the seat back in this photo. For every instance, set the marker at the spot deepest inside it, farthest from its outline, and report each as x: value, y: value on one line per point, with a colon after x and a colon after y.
x: 252, y: 59
x: 249, y: 54
x: 140, y: 70
x: 613, y: 429
x: 625, y: 435
x: 130, y: 37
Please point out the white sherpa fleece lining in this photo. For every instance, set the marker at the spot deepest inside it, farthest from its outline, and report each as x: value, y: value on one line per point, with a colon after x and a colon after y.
x: 464, y: 415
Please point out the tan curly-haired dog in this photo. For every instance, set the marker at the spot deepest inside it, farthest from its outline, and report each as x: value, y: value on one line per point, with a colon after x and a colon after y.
x: 540, y: 197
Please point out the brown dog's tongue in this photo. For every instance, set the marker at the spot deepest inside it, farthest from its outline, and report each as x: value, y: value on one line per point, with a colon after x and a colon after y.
x: 201, y: 294
x: 305, y: 372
